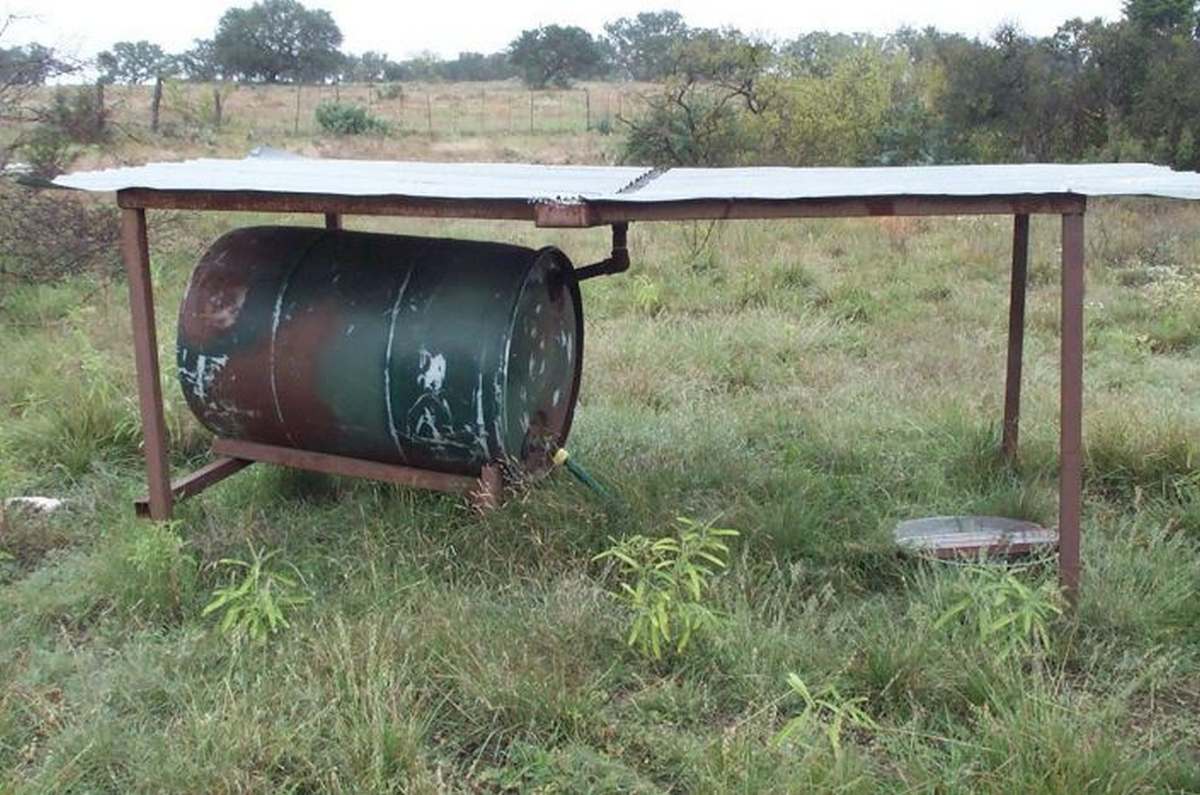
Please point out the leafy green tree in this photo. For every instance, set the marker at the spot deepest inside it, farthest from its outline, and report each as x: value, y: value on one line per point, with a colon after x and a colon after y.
x: 373, y: 65
x: 555, y: 55
x: 834, y: 120
x: 22, y: 69
x: 29, y: 65
x: 702, y: 115
x: 737, y: 65
x: 133, y: 62
x: 1163, y: 16
x: 817, y: 53
x: 642, y: 45
x: 200, y: 62
x: 278, y: 40
x: 423, y: 66
x: 473, y: 66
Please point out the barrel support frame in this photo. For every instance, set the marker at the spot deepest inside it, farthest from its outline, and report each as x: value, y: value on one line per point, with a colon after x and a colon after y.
x: 232, y: 455
x: 485, y: 491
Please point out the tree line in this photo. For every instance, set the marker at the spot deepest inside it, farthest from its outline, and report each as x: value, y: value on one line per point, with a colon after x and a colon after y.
x: 1123, y: 90
x: 1127, y: 89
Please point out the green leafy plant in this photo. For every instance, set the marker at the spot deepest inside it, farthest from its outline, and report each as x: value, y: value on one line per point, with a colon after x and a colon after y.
x: 665, y: 583
x: 1009, y: 617
x: 344, y: 119
x: 159, y: 574
x: 78, y: 114
x: 256, y: 601
x: 48, y: 151
x: 647, y: 296
x: 828, y: 709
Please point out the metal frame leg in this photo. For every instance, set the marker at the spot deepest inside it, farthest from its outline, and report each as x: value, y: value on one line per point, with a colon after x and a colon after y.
x: 489, y: 489
x: 136, y: 254
x: 1016, y: 336
x: 1070, y: 487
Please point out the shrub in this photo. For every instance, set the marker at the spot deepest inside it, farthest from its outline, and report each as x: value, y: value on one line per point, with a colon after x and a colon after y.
x: 79, y: 114
x: 691, y: 125
x: 342, y: 118
x: 254, y: 607
x: 389, y: 91
x: 148, y: 571
x: 30, y: 252
x: 1010, y: 618
x: 48, y: 151
x: 827, y: 710
x: 666, y: 583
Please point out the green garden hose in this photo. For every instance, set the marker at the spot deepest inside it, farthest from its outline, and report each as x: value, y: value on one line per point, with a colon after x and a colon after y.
x: 562, y: 458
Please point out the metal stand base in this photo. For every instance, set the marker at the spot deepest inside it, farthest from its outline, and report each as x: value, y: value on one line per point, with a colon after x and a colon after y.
x: 484, y: 493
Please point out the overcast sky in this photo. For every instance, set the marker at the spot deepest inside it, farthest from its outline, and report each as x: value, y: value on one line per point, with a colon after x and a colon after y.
x: 399, y: 28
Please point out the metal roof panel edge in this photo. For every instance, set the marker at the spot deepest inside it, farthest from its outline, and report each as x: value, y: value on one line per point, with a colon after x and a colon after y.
x: 782, y: 183
x: 466, y: 181
x: 570, y: 184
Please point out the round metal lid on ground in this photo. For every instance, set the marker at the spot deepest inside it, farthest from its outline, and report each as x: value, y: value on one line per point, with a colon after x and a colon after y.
x: 958, y: 537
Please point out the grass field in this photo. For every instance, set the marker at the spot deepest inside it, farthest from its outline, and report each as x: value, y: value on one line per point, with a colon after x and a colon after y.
x: 806, y: 383
x: 441, y: 121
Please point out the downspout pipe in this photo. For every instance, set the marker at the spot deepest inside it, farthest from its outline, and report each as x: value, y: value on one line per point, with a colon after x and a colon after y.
x: 618, y: 261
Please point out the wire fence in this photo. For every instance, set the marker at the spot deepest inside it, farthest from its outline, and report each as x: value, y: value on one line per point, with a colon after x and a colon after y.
x: 453, y: 109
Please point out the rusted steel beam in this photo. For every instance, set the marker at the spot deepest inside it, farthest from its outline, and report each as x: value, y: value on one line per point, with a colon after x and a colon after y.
x: 195, y: 482
x: 136, y: 254
x: 585, y: 214
x: 1070, y: 486
x: 321, y: 204
x: 333, y: 221
x: 1016, y: 335
x: 341, y: 465
x: 747, y: 209
x: 552, y: 215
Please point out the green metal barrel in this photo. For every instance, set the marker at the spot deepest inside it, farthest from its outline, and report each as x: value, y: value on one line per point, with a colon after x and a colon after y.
x: 435, y: 353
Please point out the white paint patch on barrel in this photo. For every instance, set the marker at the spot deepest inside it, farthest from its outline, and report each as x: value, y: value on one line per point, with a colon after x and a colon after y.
x: 481, y: 438
x: 387, y: 366
x: 224, y: 307
x: 200, y: 380
x: 433, y: 373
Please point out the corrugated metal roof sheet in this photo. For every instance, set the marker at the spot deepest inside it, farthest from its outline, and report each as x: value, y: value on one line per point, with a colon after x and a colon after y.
x: 1100, y: 179
x: 535, y: 183
x: 366, y: 178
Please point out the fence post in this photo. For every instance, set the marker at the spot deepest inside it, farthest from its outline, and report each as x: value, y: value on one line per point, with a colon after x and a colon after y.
x: 156, y: 103
x: 483, y: 111
x: 99, y: 121
x: 429, y: 111
x: 296, y: 121
x: 587, y: 117
x: 530, y: 112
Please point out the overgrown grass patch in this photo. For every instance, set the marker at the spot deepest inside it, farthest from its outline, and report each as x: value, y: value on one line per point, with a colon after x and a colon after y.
x: 808, y: 384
